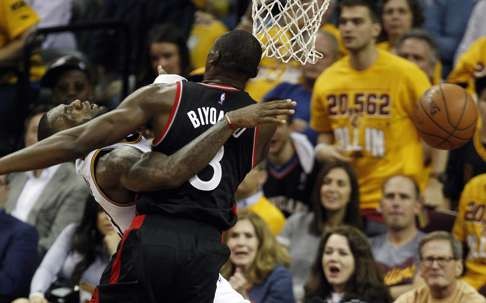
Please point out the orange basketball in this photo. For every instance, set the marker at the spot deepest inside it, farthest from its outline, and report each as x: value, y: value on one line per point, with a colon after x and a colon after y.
x: 446, y: 116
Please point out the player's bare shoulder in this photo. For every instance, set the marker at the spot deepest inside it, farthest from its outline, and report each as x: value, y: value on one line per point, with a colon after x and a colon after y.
x: 161, y: 96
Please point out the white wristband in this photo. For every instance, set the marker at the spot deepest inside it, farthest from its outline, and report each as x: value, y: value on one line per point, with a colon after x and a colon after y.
x: 168, y: 79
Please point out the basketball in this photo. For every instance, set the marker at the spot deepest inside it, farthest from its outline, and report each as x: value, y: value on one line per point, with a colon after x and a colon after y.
x: 446, y: 116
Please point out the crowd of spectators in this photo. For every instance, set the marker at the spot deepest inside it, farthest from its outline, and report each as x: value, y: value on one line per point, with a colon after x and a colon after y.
x: 349, y: 206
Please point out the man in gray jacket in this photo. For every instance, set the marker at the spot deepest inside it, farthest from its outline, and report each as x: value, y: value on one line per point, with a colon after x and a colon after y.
x: 48, y: 199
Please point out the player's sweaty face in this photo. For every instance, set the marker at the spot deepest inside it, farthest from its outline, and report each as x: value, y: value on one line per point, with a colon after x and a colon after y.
x: 75, y: 113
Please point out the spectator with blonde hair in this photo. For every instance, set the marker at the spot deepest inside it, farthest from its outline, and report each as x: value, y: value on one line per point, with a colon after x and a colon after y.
x: 257, y: 265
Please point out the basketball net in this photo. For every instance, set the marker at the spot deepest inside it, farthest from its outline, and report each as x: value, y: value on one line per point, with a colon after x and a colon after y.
x: 287, y: 29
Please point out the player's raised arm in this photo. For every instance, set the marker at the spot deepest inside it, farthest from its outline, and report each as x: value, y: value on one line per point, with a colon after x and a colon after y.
x: 157, y: 171
x: 135, y: 111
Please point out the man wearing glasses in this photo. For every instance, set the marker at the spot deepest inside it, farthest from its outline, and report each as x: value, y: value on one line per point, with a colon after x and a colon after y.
x: 440, y: 267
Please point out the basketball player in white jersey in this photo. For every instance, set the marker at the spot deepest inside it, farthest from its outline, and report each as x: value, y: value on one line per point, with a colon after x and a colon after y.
x: 106, y: 170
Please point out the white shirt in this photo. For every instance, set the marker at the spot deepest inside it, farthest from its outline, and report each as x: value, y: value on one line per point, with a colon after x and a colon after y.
x: 31, y: 192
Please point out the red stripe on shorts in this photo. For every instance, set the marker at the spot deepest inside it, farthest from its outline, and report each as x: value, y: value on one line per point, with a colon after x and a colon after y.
x: 137, y: 222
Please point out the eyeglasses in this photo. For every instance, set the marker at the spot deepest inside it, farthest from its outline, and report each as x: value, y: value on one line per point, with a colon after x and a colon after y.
x: 442, y: 261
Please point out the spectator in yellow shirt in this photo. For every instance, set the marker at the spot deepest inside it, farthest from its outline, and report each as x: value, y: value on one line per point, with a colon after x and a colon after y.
x: 17, y: 21
x: 440, y: 267
x: 471, y: 62
x: 470, y: 229
x: 362, y: 107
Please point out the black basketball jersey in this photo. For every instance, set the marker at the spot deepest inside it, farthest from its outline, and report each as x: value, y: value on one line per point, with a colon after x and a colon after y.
x: 289, y: 187
x: 209, y: 195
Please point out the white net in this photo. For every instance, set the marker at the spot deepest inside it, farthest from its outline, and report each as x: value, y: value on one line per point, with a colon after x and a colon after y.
x: 287, y: 28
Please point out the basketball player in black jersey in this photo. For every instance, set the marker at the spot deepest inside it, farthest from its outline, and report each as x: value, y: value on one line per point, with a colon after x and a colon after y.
x: 180, y: 227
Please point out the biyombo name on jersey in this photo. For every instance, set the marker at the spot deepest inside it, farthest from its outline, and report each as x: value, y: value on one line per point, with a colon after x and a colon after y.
x: 205, y: 116
x: 209, y: 116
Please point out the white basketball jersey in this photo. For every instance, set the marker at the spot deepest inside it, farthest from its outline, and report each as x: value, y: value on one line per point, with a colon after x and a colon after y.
x: 121, y: 215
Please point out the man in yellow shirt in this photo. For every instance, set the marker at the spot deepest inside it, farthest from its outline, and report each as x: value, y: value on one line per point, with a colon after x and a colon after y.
x: 440, y: 267
x: 470, y: 228
x: 17, y: 20
x: 472, y: 62
x: 362, y: 105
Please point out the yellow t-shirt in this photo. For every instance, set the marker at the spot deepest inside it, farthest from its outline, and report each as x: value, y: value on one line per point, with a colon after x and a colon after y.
x: 470, y: 62
x: 384, y: 45
x: 470, y: 228
x: 16, y: 17
x: 274, y: 218
x: 463, y: 294
x: 369, y: 114
x: 202, y: 39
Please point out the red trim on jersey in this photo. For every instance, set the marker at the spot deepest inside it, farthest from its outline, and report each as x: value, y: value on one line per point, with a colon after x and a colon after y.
x: 254, y: 151
x: 173, y: 113
x: 221, y: 86
x: 137, y: 222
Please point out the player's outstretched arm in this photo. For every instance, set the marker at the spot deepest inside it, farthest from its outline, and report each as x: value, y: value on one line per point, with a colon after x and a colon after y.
x: 156, y: 171
x: 135, y: 111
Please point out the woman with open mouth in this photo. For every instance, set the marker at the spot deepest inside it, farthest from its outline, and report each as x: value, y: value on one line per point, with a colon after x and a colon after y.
x: 345, y: 271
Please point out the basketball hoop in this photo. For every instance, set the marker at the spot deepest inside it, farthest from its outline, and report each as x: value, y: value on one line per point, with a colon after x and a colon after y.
x: 287, y: 28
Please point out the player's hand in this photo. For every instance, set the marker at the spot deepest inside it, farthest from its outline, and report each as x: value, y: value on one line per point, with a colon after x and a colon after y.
x: 261, y: 113
x: 238, y: 281
x: 328, y: 152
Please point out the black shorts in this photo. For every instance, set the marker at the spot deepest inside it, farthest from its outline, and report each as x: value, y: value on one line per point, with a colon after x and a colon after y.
x: 163, y: 259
